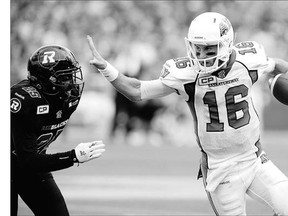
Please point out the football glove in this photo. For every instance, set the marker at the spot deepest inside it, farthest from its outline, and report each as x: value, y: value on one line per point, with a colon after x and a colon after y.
x: 88, y: 151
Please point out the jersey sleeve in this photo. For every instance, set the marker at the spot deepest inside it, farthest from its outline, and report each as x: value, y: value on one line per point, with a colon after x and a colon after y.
x: 167, y: 75
x: 176, y: 73
x: 253, y: 55
x: 23, y: 126
x: 154, y: 89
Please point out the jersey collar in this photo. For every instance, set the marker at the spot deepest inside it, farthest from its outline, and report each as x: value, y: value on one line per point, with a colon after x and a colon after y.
x: 222, y: 73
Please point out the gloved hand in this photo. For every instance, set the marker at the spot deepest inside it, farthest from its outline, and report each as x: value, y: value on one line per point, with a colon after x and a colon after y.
x: 88, y: 151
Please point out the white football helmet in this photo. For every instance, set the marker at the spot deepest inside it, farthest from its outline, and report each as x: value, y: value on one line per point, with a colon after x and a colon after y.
x: 210, y: 28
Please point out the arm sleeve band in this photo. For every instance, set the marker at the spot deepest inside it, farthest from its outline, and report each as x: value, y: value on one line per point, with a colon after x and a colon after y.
x: 110, y: 72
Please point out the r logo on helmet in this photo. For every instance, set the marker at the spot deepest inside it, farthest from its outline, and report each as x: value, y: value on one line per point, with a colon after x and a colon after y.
x: 47, y: 59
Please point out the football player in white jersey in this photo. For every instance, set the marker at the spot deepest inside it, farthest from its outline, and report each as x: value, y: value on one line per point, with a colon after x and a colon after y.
x: 215, y: 79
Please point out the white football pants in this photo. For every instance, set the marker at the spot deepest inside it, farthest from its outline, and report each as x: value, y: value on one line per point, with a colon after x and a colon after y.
x: 262, y: 181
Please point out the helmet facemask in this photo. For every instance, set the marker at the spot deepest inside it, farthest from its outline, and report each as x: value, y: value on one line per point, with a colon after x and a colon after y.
x: 204, y: 65
x: 68, y: 83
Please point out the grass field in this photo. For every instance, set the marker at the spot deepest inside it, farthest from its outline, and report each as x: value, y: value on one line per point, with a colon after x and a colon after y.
x: 145, y: 180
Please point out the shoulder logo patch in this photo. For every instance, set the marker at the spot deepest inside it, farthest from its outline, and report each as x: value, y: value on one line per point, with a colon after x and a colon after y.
x: 43, y: 109
x: 15, y: 105
x: 164, y: 72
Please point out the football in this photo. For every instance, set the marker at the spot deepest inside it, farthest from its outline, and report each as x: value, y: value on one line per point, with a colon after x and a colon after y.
x: 279, y: 88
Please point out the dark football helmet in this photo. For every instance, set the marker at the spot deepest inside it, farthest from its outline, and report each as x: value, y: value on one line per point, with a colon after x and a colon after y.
x: 55, y: 70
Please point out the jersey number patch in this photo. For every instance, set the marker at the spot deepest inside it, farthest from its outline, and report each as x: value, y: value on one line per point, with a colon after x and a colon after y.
x: 237, y: 112
x: 246, y: 47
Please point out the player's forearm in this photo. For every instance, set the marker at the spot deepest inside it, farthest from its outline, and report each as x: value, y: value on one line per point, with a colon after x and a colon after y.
x: 128, y: 86
x: 48, y: 162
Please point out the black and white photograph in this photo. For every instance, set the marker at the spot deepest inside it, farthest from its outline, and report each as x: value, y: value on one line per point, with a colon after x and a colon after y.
x: 148, y: 108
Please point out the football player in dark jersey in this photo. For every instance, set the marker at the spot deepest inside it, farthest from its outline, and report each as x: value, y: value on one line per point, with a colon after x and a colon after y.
x: 40, y: 109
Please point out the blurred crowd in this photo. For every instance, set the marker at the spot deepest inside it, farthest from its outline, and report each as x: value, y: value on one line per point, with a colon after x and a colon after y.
x: 137, y: 37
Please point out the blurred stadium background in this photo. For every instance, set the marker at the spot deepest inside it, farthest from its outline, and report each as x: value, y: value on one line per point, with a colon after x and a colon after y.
x: 151, y: 161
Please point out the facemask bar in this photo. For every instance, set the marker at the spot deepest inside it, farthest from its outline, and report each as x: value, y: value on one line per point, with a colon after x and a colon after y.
x: 69, y: 81
x: 201, y: 64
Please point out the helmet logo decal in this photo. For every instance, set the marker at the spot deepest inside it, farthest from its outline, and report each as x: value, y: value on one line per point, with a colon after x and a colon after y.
x: 48, y: 57
x: 224, y: 26
x: 223, y: 29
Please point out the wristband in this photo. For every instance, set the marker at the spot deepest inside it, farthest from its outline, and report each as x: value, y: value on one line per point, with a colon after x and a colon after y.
x: 73, y: 156
x: 110, y: 72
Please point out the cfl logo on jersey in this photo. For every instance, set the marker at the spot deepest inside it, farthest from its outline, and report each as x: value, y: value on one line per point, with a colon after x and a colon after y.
x: 164, y: 72
x: 206, y: 80
x: 59, y: 114
x: 43, y: 109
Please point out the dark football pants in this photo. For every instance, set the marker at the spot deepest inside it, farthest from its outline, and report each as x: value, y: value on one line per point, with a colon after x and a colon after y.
x: 39, y: 192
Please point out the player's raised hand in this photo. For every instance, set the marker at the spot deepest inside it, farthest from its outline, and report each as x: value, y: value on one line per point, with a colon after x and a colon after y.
x: 88, y: 151
x: 98, y: 61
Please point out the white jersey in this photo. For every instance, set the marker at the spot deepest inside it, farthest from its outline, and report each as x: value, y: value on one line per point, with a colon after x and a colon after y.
x: 226, y: 123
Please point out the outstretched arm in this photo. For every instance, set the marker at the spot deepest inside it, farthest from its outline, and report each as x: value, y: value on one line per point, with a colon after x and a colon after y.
x: 129, y: 87
x: 132, y: 88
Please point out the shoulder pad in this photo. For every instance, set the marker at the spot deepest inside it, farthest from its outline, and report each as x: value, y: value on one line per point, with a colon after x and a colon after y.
x: 251, y: 54
x: 177, y: 72
x: 25, y: 98
x: 25, y: 90
x: 179, y: 68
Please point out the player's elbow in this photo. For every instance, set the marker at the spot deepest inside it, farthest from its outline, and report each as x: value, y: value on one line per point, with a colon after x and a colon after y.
x: 129, y: 87
x: 31, y: 162
x: 131, y: 90
x: 27, y: 164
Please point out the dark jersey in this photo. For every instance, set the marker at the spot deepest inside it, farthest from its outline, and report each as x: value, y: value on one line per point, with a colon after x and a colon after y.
x: 36, y: 121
